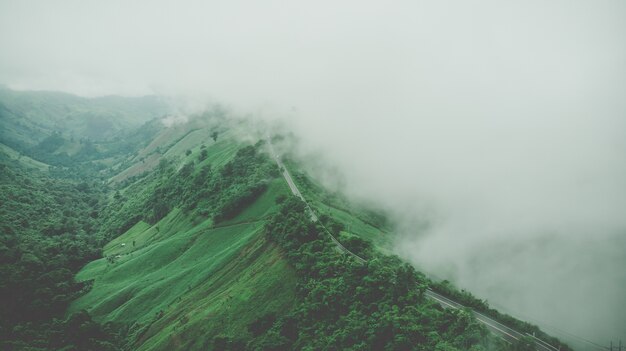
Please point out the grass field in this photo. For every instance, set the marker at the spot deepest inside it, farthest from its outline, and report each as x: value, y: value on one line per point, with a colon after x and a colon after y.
x: 182, y: 281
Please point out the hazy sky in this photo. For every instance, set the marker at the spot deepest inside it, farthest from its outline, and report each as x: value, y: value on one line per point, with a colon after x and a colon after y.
x: 494, y: 130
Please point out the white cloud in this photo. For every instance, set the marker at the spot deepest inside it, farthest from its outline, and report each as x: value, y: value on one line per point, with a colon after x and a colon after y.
x: 501, y: 123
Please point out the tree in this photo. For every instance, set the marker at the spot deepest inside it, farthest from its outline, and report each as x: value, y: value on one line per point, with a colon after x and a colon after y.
x: 203, y: 155
x: 262, y: 324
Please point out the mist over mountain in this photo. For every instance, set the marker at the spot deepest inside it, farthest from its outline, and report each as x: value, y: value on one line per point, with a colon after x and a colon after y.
x: 494, y: 133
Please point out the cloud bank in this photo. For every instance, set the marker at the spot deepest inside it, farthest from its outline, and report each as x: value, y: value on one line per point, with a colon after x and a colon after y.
x: 493, y: 130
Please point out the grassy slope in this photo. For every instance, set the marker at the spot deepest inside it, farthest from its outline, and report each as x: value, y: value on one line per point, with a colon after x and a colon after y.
x: 173, y: 142
x: 22, y: 159
x: 357, y: 221
x: 182, y: 283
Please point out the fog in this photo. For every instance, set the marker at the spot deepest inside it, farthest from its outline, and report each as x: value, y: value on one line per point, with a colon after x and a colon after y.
x: 493, y: 131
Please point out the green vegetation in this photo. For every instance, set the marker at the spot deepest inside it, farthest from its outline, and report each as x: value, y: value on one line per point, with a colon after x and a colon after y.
x: 202, y: 282
x: 51, y: 198
x: 184, y: 238
x: 346, y: 305
x: 184, y: 283
x: 29, y: 117
x: 75, y: 136
x: 195, y: 188
x: 200, y: 270
x: 46, y: 238
x: 356, y: 220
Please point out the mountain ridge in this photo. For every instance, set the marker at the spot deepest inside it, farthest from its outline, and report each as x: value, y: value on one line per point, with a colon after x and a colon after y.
x: 202, y: 246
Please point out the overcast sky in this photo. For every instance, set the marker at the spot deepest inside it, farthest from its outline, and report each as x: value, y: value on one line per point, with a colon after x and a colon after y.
x: 494, y: 130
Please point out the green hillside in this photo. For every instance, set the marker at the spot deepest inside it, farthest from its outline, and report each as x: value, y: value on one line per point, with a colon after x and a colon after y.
x: 185, y: 284
x: 196, y: 272
x: 195, y: 268
x: 187, y: 237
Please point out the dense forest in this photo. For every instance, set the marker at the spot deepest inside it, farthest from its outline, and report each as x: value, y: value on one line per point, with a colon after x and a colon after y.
x: 48, y: 227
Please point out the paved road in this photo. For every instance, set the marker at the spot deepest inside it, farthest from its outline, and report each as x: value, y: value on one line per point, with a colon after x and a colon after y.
x: 296, y: 192
x: 495, y: 327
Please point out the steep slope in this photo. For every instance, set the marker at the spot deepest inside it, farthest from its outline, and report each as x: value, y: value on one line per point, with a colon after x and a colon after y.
x: 202, y: 246
x: 182, y: 285
x: 202, y: 268
x: 209, y: 250
x: 206, y: 274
